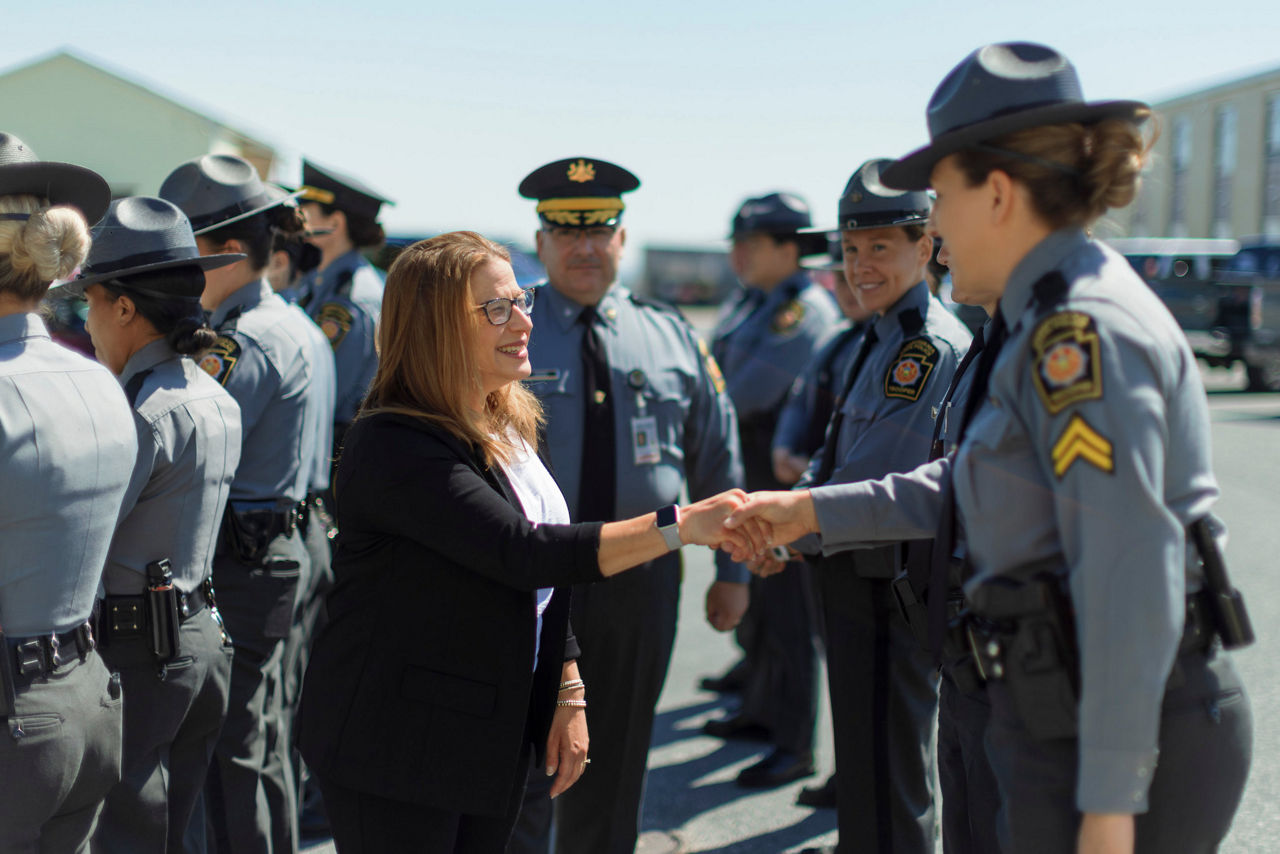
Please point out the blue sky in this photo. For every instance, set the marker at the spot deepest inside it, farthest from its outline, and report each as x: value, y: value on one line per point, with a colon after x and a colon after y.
x: 445, y: 107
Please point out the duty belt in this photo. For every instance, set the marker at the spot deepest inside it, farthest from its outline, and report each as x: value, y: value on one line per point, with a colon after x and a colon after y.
x: 37, y: 656
x: 125, y: 616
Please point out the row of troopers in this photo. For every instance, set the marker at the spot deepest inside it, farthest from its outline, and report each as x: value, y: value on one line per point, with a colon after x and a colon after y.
x: 152, y: 718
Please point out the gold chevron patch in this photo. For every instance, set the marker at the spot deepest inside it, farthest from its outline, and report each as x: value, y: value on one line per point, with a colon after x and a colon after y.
x: 1079, y: 441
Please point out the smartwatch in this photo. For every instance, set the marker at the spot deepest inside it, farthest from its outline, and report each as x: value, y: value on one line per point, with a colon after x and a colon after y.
x: 669, y: 525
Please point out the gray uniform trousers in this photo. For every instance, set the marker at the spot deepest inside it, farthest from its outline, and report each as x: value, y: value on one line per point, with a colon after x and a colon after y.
x: 1205, y: 748
x: 627, y: 629
x: 59, y: 756
x: 170, y: 727
x: 252, y: 796
x: 883, y: 702
x: 970, y: 795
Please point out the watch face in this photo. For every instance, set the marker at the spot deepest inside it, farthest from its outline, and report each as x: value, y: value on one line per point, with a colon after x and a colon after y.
x: 668, y: 516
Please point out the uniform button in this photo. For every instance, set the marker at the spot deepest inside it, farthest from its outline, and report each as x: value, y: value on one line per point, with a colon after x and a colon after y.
x: 1137, y: 797
x: 994, y: 401
x: 1142, y: 773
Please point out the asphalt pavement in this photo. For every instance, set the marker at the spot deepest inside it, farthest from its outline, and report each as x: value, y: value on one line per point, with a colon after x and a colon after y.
x: 692, y: 804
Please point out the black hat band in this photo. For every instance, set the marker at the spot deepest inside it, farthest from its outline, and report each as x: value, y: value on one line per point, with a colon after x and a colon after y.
x: 883, y: 221
x: 199, y: 223
x: 16, y: 217
x: 141, y: 259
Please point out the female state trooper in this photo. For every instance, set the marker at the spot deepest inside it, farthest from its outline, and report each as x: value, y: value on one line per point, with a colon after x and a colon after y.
x: 344, y: 293
x: 67, y: 446
x: 762, y: 342
x: 157, y: 627
x: 263, y: 358
x: 1084, y: 467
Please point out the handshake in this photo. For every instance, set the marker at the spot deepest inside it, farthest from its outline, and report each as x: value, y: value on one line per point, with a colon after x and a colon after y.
x: 750, y: 525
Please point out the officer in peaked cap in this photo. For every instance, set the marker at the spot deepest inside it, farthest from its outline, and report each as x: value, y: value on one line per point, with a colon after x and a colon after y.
x: 883, y: 682
x: 143, y: 280
x: 763, y: 341
x: 344, y: 293
x: 636, y: 412
x: 68, y: 443
x: 262, y: 356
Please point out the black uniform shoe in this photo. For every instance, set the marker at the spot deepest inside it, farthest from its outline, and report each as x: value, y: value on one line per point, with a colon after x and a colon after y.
x: 738, y: 726
x: 731, y: 681
x: 823, y: 796
x: 777, y: 769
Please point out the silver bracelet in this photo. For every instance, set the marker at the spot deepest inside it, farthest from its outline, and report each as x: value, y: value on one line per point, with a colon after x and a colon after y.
x: 571, y: 684
x: 575, y: 704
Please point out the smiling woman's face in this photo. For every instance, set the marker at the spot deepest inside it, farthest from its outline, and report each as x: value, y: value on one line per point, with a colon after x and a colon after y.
x: 882, y: 264
x: 501, y: 352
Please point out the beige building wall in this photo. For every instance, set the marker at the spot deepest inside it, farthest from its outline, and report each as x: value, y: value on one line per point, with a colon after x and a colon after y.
x: 68, y: 109
x: 1242, y: 161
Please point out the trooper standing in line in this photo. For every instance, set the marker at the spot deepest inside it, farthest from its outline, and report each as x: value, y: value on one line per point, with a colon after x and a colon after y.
x: 68, y: 444
x: 157, y: 626
x: 763, y: 342
x: 803, y: 422
x: 883, y: 684
x: 263, y: 358
x: 635, y: 413
x: 343, y: 294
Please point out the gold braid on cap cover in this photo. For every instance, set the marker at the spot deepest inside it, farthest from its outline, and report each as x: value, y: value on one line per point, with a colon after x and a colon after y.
x: 583, y: 210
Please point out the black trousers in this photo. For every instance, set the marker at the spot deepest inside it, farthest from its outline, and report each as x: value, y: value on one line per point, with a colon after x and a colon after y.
x: 884, y: 697
x: 970, y: 795
x: 627, y: 629
x: 170, y: 726
x: 782, y: 687
x: 367, y: 824
x: 1206, y: 744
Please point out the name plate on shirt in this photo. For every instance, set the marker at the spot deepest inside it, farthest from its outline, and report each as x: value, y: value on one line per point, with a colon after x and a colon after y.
x: 546, y: 376
x: 644, y: 440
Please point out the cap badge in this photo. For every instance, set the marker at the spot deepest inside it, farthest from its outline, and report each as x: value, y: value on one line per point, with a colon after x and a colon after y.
x: 855, y: 198
x: 581, y: 172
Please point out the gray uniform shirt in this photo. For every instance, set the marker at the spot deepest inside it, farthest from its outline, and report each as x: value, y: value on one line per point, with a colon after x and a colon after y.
x: 658, y: 369
x: 67, y: 447
x: 345, y: 300
x: 263, y: 359
x: 188, y: 448
x: 318, y: 434
x: 1093, y: 449
x: 815, y: 391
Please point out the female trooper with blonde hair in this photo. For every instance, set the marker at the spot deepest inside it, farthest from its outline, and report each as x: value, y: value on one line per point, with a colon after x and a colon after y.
x: 67, y: 446
x: 1082, y: 481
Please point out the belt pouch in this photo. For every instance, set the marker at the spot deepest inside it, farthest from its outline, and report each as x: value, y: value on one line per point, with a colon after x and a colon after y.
x: 163, y: 622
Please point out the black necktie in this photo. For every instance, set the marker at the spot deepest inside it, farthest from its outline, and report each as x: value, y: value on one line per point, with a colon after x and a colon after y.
x: 597, y: 481
x: 944, y: 541
x: 831, y: 444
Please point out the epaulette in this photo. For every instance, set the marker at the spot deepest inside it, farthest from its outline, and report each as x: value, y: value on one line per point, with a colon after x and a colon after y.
x: 660, y: 305
x: 911, y: 321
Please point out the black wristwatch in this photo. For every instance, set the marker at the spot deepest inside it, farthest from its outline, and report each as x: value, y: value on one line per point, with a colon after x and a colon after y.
x: 669, y: 525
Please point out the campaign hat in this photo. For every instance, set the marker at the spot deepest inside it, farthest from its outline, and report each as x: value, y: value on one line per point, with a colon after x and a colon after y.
x: 23, y: 173
x: 579, y: 192
x: 867, y: 203
x: 142, y: 234
x: 216, y: 190
x: 996, y: 90
x: 329, y: 187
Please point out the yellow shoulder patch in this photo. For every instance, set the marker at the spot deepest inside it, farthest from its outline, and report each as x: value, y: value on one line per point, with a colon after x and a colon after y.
x: 219, y: 359
x: 1067, y: 365
x: 787, y: 319
x: 910, y: 369
x: 334, y: 320
x: 713, y: 367
x: 1079, y: 441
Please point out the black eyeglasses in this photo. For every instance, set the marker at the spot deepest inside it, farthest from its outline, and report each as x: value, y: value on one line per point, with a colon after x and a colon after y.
x: 498, y: 311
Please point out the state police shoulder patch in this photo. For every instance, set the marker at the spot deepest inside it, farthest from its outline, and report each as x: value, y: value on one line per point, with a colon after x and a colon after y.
x: 1065, y: 350
x: 786, y: 320
x: 219, y: 359
x: 334, y: 320
x: 910, y: 369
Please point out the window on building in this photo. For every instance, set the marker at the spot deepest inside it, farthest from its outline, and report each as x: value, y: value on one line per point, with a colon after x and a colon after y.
x: 1225, y: 139
x: 1180, y: 160
x: 1271, y: 188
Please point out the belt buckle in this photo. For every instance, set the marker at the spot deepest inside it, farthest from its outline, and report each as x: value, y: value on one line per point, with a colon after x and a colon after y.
x: 30, y: 655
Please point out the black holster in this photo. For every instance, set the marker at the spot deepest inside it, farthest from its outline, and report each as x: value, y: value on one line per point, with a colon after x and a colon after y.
x: 1022, y: 632
x: 246, y: 534
x: 162, y: 618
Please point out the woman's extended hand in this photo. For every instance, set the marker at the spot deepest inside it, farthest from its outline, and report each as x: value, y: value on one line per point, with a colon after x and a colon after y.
x: 1105, y: 833
x: 784, y: 517
x: 703, y: 523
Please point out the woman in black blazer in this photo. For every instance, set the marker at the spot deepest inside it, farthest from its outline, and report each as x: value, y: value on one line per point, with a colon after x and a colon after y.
x: 447, y: 663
